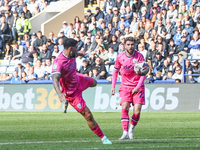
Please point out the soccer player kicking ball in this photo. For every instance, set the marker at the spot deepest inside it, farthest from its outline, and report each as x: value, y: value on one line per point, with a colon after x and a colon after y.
x: 73, y: 84
x: 132, y: 86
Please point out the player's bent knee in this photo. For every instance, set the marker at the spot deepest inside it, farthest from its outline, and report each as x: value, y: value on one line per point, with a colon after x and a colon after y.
x: 94, y: 83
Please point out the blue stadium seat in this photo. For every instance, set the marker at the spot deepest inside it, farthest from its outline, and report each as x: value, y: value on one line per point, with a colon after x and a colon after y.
x: 10, y: 70
x: 3, y: 69
x: 5, y: 63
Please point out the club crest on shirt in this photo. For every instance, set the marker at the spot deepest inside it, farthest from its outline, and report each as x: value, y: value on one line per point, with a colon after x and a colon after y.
x: 134, y: 61
x: 55, y: 66
x: 79, y: 106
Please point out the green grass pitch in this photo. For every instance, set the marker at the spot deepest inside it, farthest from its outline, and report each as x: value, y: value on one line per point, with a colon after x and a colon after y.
x: 58, y: 131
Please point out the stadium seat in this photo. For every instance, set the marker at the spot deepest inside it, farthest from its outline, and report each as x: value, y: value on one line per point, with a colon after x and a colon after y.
x: 102, y: 81
x: 13, y: 62
x: 3, y: 69
x: 10, y: 69
x: 5, y: 63
x: 165, y: 81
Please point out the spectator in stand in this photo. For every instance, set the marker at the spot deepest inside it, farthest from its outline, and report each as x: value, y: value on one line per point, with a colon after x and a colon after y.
x: 117, y: 4
x: 187, y: 66
x: 134, y: 24
x: 79, y: 61
x: 169, y: 75
x: 5, y: 77
x: 56, y: 51
x: 52, y: 37
x: 40, y: 41
x: 100, y: 67
x: 19, y: 68
x: 194, y: 46
x: 33, y: 38
x: 45, y: 53
x: 23, y: 76
x: 177, y: 37
x: 92, y: 59
x: 178, y: 25
x: 8, y: 18
x: 28, y: 44
x: 28, y: 14
x: 4, y: 30
x: 69, y: 33
x: 121, y: 48
x: 65, y: 28
x: 21, y: 4
x: 178, y: 74
x: 108, y: 16
x: 18, y: 51
x: 50, y: 45
x: 142, y: 50
x: 13, y: 22
x: 98, y: 13
x: 123, y: 21
x: 172, y: 14
x: 82, y: 35
x: 87, y: 45
x: 39, y: 70
x: 47, y: 69
x: 102, y: 53
x: 8, y: 52
x: 158, y: 76
x: 188, y: 28
x: 147, y: 4
x: 31, y: 7
x: 144, y: 13
x: 172, y: 48
x: 114, y: 44
x: 188, y: 18
x: 79, y: 43
x: 40, y: 5
x: 83, y: 28
x: 94, y: 44
x: 158, y: 63
x: 15, y: 77
x: 153, y: 15
x: 95, y: 29
x: 141, y: 28
x: 25, y: 38
x: 184, y: 44
x: 155, y: 5
x: 128, y: 14
x: 35, y: 58
x: 107, y: 38
x: 95, y: 74
x: 62, y: 36
x: 169, y: 27
x: 136, y: 6
x: 60, y: 45
x: 111, y: 29
x: 28, y: 56
x: 23, y: 25
x: 166, y: 67
x: 162, y: 51
x: 86, y: 68
x: 89, y: 15
x: 31, y: 75
x: 77, y: 24
x: 194, y: 69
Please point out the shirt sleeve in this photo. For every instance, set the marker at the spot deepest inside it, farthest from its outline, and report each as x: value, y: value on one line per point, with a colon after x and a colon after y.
x: 117, y: 64
x: 57, y: 67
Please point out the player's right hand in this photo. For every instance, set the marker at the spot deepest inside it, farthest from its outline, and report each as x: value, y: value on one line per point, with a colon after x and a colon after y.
x: 112, y: 91
x: 62, y: 97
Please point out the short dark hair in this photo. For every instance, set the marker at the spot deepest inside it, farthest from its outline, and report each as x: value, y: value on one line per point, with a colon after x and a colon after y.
x: 69, y: 42
x: 130, y: 38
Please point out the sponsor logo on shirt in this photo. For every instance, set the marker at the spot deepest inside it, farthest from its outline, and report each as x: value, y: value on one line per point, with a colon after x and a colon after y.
x: 55, y: 66
x: 79, y: 106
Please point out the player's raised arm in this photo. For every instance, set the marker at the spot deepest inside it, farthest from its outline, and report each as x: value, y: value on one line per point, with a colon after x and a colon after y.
x: 56, y: 78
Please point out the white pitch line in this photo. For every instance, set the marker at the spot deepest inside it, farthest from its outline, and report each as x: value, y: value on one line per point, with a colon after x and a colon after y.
x: 88, y: 141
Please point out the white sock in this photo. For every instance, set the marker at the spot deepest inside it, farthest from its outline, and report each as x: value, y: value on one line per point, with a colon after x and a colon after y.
x: 131, y: 128
x: 125, y: 132
x: 103, y: 138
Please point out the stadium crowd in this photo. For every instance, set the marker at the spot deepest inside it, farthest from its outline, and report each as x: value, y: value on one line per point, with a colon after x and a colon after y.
x: 165, y: 32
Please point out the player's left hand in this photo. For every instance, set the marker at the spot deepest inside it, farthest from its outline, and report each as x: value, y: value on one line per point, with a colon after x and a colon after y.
x: 62, y: 97
x: 135, y: 90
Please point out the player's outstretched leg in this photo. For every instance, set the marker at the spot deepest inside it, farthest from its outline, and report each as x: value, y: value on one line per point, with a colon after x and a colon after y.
x: 94, y: 126
x: 134, y: 120
x: 125, y: 120
x: 66, y: 105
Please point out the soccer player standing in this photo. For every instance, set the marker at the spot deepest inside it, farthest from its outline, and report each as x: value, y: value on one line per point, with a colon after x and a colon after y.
x: 132, y: 86
x: 73, y: 84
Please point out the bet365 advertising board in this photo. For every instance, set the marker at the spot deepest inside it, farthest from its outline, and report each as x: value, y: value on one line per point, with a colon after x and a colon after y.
x: 158, y: 98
